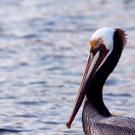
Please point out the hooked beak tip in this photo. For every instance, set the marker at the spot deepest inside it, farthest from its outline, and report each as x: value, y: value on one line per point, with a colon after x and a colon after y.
x: 68, y: 125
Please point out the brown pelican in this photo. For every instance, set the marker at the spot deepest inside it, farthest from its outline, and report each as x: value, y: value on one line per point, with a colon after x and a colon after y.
x: 106, y: 46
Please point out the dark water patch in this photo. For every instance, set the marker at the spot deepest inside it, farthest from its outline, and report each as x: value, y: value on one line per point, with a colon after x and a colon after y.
x: 23, y: 64
x: 38, y: 82
x: 67, y: 132
x: 52, y: 122
x: 6, y: 53
x: 64, y: 30
x: 26, y: 116
x: 29, y: 36
x: 55, y: 68
x: 34, y: 103
x: 65, y: 48
x: 9, y: 37
x: 11, y: 97
x: 13, y: 3
x: 118, y: 95
x: 47, y: 128
x: 29, y: 103
x: 50, y: 23
x: 111, y: 82
x: 12, y: 130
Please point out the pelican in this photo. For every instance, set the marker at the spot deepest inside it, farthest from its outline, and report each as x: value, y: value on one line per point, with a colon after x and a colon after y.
x: 106, y: 46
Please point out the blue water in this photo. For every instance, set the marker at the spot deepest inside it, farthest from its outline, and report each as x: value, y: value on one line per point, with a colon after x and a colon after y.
x: 43, y: 49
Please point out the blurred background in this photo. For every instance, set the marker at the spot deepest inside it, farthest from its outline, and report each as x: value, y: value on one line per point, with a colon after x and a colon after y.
x: 43, y: 49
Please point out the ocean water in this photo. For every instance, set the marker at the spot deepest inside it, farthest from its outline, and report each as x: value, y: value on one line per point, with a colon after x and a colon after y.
x: 43, y: 50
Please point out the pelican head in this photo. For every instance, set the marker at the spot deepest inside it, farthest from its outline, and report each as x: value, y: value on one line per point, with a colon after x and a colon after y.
x: 103, y: 36
x: 106, y: 46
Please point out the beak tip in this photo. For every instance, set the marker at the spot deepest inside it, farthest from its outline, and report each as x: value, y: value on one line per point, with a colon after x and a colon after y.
x: 68, y: 124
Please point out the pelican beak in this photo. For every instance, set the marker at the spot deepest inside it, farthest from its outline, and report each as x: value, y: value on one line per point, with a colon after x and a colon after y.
x: 96, y: 57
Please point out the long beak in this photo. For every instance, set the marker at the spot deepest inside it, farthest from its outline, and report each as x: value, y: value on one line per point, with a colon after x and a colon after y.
x: 93, y: 63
